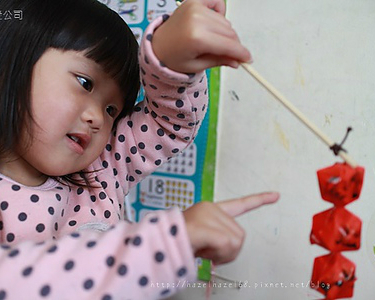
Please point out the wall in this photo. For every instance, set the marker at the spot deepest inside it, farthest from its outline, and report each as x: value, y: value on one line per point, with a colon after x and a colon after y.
x: 320, y: 55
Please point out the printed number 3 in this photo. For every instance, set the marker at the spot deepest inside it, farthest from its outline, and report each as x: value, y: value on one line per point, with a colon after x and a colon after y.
x: 162, y: 3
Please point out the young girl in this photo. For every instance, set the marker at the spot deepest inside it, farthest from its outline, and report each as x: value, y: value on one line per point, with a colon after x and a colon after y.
x: 72, y: 144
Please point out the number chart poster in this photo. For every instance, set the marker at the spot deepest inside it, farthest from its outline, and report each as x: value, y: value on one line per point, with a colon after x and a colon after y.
x: 189, y: 177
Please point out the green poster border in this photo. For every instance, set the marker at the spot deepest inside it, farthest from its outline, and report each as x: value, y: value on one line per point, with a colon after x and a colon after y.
x: 209, y: 169
x: 208, y: 175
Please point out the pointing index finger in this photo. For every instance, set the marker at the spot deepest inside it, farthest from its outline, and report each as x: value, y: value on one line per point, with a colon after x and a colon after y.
x: 239, y: 206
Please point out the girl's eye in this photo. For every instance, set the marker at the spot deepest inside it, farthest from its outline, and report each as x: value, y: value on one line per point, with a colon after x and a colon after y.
x: 86, y: 83
x: 111, y: 110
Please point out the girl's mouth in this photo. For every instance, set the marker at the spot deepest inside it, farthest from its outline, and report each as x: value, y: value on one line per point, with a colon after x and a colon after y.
x: 74, y: 138
x: 79, y: 141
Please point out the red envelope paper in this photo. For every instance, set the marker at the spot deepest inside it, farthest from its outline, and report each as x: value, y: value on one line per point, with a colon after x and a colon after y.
x: 340, y: 183
x: 333, y: 276
x: 336, y: 229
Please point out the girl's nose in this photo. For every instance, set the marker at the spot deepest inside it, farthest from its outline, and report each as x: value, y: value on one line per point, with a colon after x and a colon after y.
x: 93, y: 115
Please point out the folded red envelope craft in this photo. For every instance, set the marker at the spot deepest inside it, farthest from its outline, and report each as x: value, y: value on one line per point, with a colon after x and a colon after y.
x: 340, y: 183
x: 336, y: 229
x: 333, y: 276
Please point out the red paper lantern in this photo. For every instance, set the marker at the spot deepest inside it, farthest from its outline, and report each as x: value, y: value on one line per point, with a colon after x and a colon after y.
x: 340, y: 183
x: 336, y: 229
x: 333, y: 276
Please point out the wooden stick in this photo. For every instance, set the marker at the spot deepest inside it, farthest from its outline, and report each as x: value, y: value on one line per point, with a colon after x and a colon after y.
x: 294, y: 110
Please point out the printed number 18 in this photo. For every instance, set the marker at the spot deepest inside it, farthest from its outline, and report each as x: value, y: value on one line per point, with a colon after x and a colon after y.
x: 158, y: 187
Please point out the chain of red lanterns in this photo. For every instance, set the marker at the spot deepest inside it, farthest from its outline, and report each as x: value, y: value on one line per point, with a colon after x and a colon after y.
x: 336, y: 230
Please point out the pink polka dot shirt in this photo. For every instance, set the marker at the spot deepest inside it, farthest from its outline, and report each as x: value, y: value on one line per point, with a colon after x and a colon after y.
x: 61, y: 242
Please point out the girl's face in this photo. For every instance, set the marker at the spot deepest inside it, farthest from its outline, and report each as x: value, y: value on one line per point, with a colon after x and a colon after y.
x: 74, y: 104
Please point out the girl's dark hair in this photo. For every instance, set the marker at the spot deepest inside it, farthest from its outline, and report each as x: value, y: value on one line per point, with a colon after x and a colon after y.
x: 80, y: 25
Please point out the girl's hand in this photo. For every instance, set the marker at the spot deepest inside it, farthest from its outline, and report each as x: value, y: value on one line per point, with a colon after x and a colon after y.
x: 197, y: 36
x: 213, y: 232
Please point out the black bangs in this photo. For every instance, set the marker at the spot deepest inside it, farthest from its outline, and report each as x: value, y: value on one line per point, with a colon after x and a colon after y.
x: 80, y: 25
x: 88, y: 25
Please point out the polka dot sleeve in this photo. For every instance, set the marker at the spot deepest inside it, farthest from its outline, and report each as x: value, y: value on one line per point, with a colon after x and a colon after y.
x: 162, y: 125
x: 49, y: 249
x: 149, y: 260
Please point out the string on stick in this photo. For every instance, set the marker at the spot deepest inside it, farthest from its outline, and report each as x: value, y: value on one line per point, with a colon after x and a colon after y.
x: 295, y: 111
